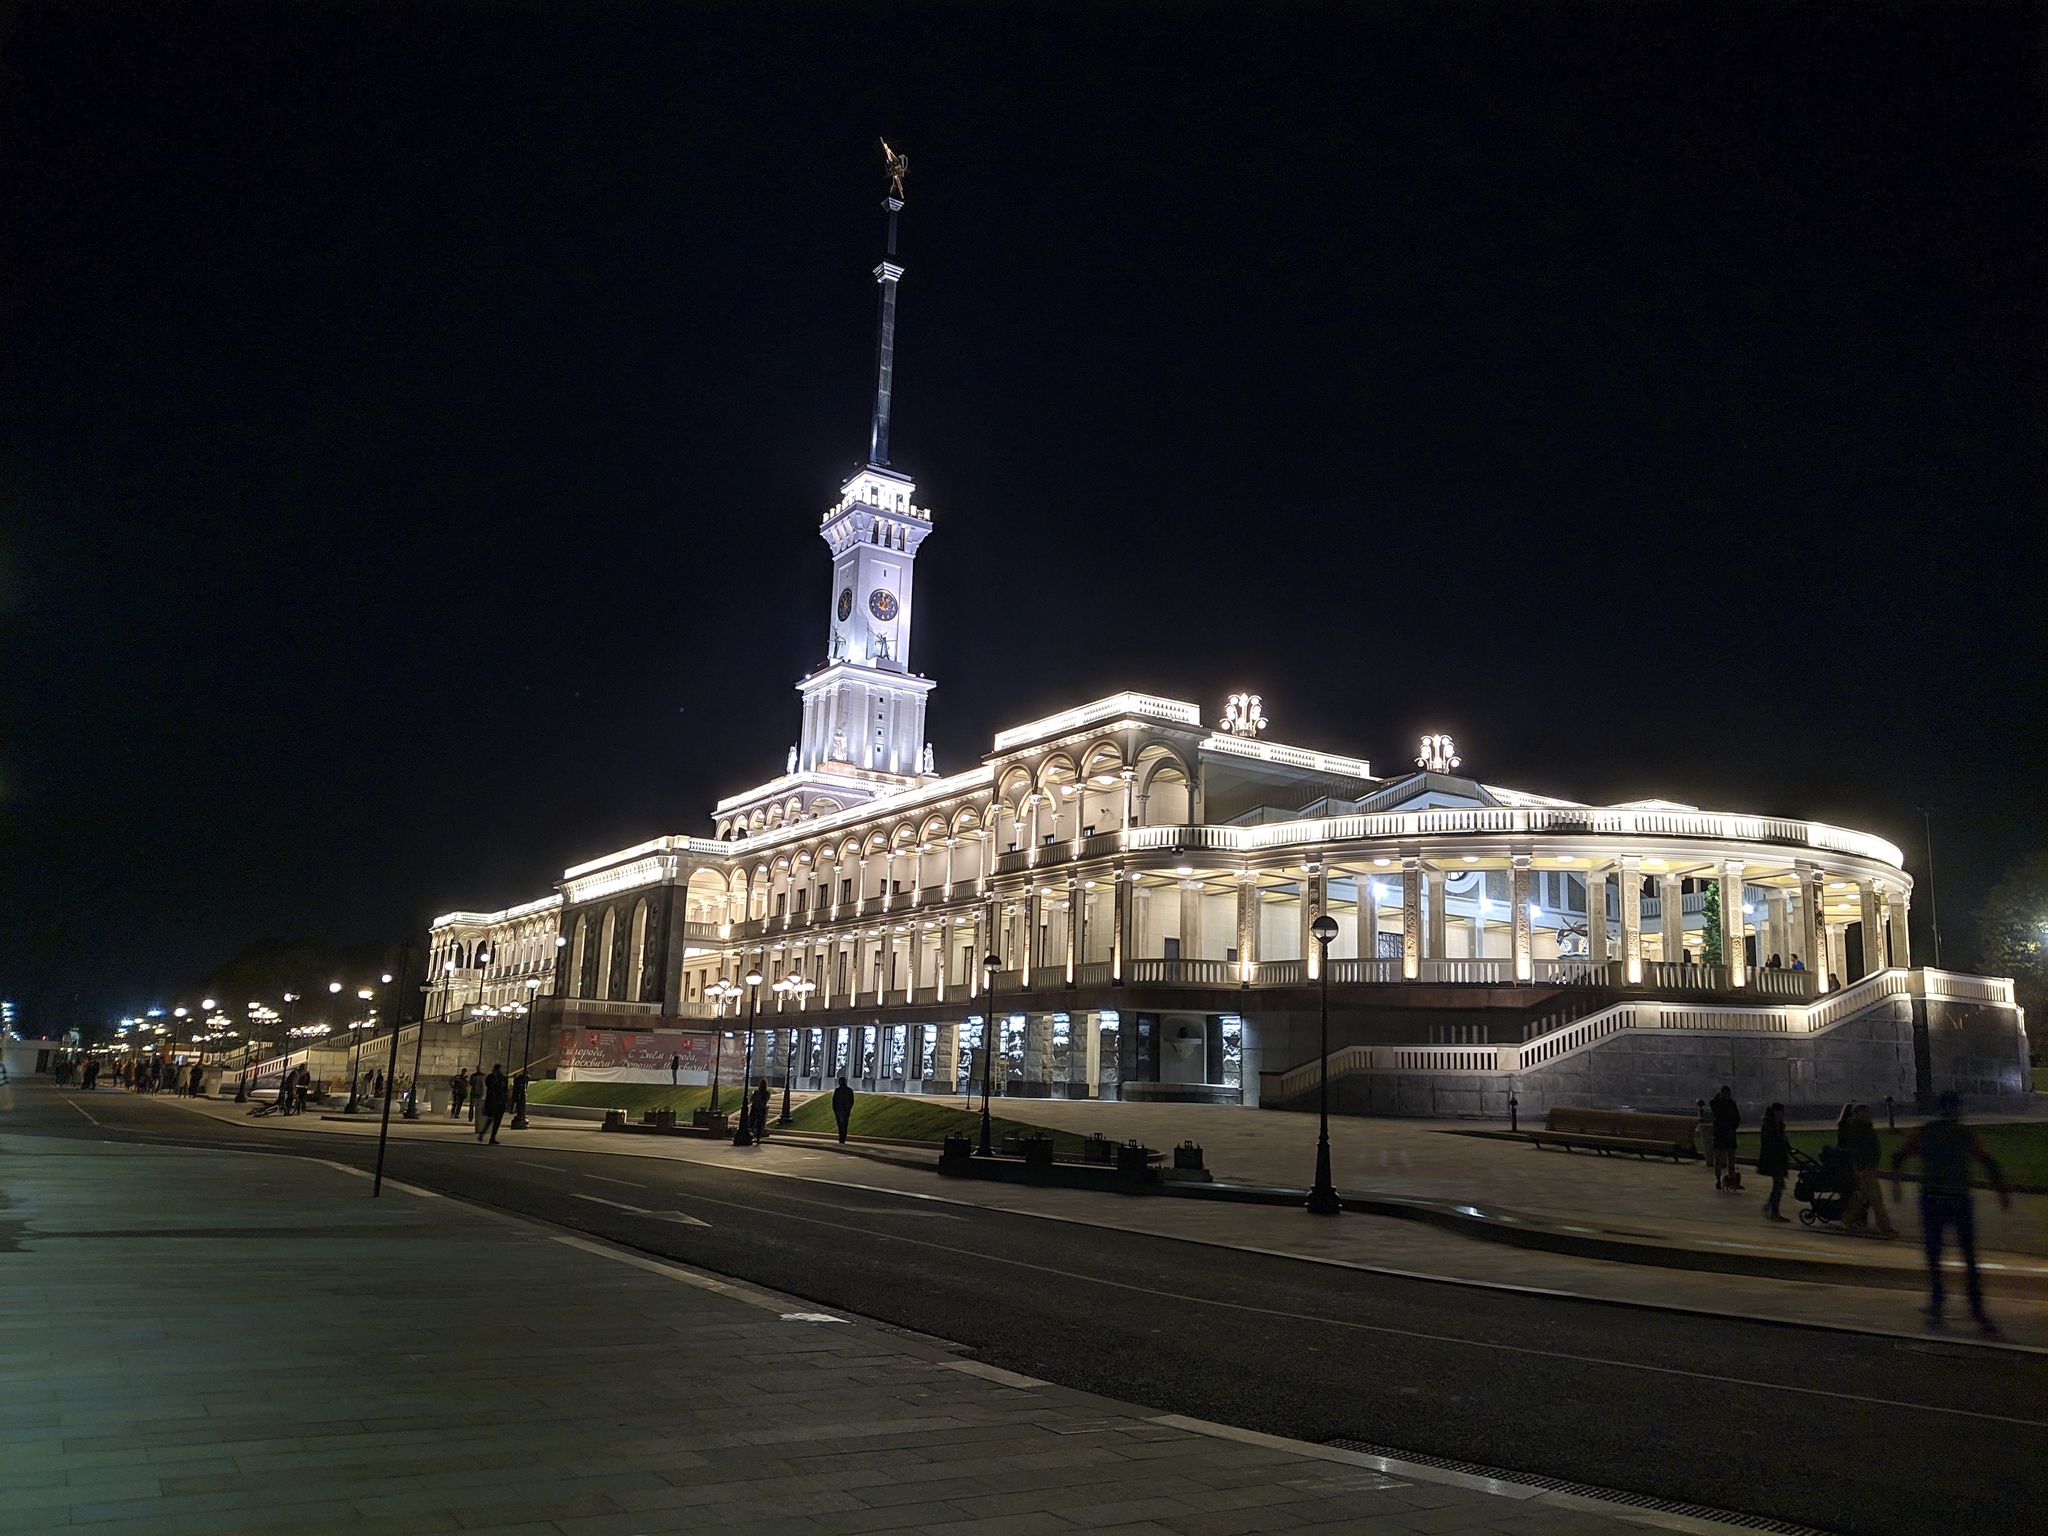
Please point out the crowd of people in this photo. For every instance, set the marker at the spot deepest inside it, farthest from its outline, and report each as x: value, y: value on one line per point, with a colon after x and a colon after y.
x: 1947, y: 1150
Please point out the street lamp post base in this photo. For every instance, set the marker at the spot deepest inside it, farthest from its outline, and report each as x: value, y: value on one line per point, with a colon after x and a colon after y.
x: 519, y: 1121
x: 1322, y: 1196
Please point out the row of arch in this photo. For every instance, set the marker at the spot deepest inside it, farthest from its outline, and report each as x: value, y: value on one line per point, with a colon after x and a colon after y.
x: 1099, y: 770
x: 616, y: 956
x: 1065, y: 794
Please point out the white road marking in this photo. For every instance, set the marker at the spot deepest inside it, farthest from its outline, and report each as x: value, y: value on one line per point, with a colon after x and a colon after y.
x: 603, y: 1180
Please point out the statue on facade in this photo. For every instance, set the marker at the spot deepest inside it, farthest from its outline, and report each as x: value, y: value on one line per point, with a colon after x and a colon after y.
x: 899, y: 167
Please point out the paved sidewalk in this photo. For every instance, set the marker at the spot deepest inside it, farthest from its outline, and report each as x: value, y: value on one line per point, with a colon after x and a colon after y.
x: 1375, y: 1242
x: 207, y: 1342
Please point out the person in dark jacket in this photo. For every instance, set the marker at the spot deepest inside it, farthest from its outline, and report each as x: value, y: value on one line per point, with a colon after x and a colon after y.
x: 675, y: 1069
x: 842, y: 1106
x: 1946, y: 1149
x: 1774, y: 1159
x: 759, y: 1110
x: 491, y: 1106
x: 1727, y: 1121
x: 1863, y: 1149
x: 458, y: 1090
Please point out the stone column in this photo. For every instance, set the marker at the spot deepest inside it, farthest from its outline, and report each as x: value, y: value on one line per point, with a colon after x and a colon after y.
x: 1902, y: 939
x: 1873, y: 925
x: 1518, y: 904
x: 1120, y: 936
x: 1313, y: 889
x: 1411, y: 918
x: 1075, y: 924
x: 1091, y: 1052
x: 1439, y: 919
x: 1671, y: 916
x: 1247, y: 926
x: 1812, y: 888
x: 1631, y: 878
x: 946, y: 1059
x: 1596, y: 914
x: 1732, y: 923
x: 1776, y: 922
x: 1191, y: 920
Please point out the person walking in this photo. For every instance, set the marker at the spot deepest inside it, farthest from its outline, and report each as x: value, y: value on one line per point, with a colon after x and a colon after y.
x: 1727, y: 1121
x: 1946, y: 1149
x: 1774, y: 1159
x: 1864, y: 1152
x: 675, y: 1070
x: 458, y: 1091
x: 491, y: 1104
x: 302, y: 1089
x: 760, y: 1111
x: 842, y: 1106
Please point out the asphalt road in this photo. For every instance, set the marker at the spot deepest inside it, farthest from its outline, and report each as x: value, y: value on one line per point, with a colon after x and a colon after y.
x: 1839, y: 1431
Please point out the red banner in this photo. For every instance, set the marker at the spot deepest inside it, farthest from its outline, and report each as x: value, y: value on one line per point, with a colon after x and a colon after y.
x: 645, y: 1051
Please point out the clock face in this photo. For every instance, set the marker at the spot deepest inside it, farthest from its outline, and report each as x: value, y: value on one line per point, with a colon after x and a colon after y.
x: 882, y: 604
x: 845, y: 604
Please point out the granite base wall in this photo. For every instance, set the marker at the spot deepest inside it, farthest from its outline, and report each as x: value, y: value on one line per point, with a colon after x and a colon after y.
x: 1977, y: 1050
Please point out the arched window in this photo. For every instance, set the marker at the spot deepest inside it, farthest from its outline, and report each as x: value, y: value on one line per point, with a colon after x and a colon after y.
x: 607, y: 937
x: 636, y: 959
x: 577, y: 952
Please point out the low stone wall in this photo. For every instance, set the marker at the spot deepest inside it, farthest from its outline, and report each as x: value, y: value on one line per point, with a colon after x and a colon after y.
x: 1978, y: 1050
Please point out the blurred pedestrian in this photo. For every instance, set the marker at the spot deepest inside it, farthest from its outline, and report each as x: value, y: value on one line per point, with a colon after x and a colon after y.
x: 1727, y: 1122
x: 1774, y: 1159
x: 458, y: 1091
x: 842, y: 1106
x: 675, y: 1070
x: 1946, y: 1149
x: 491, y: 1104
x: 1864, y: 1152
x: 760, y: 1110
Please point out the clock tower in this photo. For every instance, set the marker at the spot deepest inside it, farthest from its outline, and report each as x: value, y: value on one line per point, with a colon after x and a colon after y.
x: 864, y: 709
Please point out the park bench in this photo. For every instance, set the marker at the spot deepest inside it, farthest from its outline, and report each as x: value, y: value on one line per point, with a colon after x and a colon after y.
x: 1619, y: 1130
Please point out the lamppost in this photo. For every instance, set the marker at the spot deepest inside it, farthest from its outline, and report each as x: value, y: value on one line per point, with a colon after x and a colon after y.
x: 799, y: 988
x: 334, y: 994
x: 1322, y: 1196
x: 526, y: 1052
x: 744, y: 1136
x: 989, y: 966
x: 356, y: 1041
x: 722, y: 990
x: 476, y: 1087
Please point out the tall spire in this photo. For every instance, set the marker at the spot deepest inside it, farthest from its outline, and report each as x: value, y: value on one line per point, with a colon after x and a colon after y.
x: 887, y: 274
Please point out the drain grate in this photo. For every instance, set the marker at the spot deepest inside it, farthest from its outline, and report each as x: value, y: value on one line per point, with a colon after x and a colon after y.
x: 1585, y: 1490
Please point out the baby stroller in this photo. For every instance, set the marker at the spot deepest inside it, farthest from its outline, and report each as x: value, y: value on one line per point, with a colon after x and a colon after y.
x: 1824, y: 1185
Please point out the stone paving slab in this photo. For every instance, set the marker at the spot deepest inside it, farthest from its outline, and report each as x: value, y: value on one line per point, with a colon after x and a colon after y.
x: 449, y: 1369
x: 1378, y: 1243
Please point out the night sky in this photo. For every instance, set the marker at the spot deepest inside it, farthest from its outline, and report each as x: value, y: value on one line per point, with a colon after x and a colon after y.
x: 417, y: 419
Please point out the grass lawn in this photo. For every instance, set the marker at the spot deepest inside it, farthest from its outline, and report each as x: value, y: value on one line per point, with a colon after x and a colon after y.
x: 914, y: 1119
x: 631, y: 1097
x: 2021, y: 1150
x: 874, y: 1114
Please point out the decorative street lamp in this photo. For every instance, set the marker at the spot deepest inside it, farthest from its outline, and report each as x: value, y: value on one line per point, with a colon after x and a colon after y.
x: 793, y: 985
x: 479, y: 1013
x: 989, y: 966
x: 356, y: 1041
x: 744, y: 1136
x: 1322, y: 1196
x: 721, y: 989
x: 526, y: 1052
